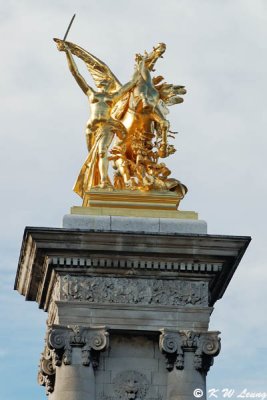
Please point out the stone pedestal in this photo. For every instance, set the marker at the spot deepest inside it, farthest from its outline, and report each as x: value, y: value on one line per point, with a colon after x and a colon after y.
x: 129, y: 302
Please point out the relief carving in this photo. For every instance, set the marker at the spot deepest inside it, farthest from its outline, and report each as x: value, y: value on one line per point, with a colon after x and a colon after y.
x: 129, y: 385
x: 46, y: 373
x: 205, y: 346
x: 58, y: 349
x: 171, y: 345
x: 61, y: 339
x: 134, y: 291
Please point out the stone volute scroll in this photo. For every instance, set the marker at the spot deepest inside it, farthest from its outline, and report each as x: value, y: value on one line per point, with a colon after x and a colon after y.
x: 47, y: 370
x: 63, y: 339
x: 204, y: 345
x: 170, y: 344
x: 68, y: 350
x: 208, y: 346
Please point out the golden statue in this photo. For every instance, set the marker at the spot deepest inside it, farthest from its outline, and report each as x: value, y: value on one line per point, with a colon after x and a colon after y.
x: 135, y: 115
x: 101, y: 127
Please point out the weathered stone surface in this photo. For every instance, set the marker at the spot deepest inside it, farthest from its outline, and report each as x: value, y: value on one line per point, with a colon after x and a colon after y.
x: 134, y: 224
x: 126, y: 317
x: 204, y: 345
x: 70, y: 355
x: 133, y: 291
x: 99, y: 222
x: 132, y: 361
x: 154, y: 290
x: 167, y: 225
x: 119, y: 253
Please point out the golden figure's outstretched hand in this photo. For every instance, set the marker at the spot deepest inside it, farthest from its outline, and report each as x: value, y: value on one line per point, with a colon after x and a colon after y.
x: 61, y: 45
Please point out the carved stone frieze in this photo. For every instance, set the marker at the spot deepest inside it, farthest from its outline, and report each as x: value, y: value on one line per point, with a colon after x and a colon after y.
x: 134, y: 291
x: 205, y: 346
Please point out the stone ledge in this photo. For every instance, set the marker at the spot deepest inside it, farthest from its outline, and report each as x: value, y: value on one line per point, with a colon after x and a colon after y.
x: 36, y: 274
x: 134, y: 224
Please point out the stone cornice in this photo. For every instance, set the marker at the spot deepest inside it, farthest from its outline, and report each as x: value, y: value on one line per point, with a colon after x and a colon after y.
x: 46, y: 250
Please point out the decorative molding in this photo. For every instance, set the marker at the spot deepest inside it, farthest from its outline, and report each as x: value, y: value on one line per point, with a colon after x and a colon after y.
x: 170, y: 344
x: 56, y: 290
x: 134, y: 291
x: 58, y: 349
x: 46, y: 373
x: 135, y: 263
x: 61, y: 339
x: 205, y: 346
x: 52, y: 313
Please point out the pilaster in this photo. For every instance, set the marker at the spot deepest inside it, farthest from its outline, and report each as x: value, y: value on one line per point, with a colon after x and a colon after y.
x: 189, y: 355
x: 69, y: 359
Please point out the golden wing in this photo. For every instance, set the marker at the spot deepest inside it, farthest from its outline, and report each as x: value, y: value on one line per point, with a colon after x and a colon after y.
x: 97, y: 68
x: 100, y: 71
x: 169, y: 93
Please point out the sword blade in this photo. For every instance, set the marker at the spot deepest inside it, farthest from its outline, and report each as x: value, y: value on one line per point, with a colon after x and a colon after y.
x: 67, y: 31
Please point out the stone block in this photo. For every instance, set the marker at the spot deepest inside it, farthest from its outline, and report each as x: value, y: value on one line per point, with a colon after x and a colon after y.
x: 162, y: 392
x: 90, y: 222
x: 131, y: 346
x: 115, y: 364
x: 133, y: 317
x: 135, y: 224
x: 103, y: 377
x: 159, y: 378
x: 167, y: 225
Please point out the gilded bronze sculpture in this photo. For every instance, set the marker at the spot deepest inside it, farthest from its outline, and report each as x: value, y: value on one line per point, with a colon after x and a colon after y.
x: 135, y: 114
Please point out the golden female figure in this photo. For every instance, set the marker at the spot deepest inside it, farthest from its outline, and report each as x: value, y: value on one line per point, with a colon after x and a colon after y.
x: 101, y: 127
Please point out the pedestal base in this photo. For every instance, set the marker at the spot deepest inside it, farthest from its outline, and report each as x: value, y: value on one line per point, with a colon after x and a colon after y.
x: 147, y: 284
x: 133, y: 224
x: 133, y: 203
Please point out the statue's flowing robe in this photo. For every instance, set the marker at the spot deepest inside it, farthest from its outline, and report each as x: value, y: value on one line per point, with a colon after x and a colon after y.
x: 89, y: 175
